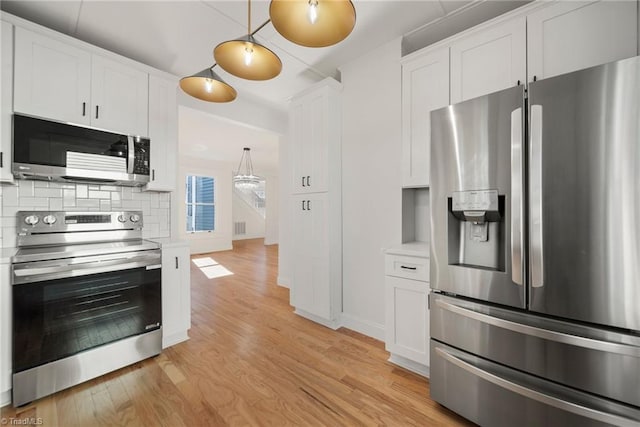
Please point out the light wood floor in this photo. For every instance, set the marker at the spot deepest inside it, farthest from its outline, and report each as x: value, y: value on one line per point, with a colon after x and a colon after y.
x: 250, y: 361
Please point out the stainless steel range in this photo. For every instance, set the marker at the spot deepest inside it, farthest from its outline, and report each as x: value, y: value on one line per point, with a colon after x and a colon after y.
x: 86, y: 299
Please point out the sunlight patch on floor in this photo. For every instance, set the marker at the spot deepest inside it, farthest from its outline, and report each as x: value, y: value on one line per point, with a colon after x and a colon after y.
x: 211, y: 268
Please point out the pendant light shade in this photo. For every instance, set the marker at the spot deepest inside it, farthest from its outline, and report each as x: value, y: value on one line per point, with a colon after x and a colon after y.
x: 246, y: 178
x: 208, y: 86
x: 248, y: 59
x: 313, y: 23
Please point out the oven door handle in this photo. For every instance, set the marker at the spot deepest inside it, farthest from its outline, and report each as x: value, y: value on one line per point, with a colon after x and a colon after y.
x: 26, y: 274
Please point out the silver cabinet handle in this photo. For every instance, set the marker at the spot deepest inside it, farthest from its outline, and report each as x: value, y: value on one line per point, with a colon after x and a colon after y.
x: 536, y: 252
x: 84, y: 109
x: 97, y: 111
x: 517, y: 200
x: 559, y: 337
x: 303, y: 208
x: 536, y: 395
x: 303, y: 182
x: 176, y: 263
x: 308, y: 181
x: 1, y: 159
x: 153, y: 174
x: 308, y: 205
x: 408, y: 268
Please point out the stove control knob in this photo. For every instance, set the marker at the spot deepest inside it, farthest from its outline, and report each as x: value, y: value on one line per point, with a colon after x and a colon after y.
x: 122, y: 218
x: 49, y: 219
x: 32, y: 219
x: 134, y: 218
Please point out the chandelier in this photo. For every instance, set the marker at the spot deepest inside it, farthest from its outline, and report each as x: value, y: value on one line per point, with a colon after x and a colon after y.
x: 246, y: 179
x: 310, y: 23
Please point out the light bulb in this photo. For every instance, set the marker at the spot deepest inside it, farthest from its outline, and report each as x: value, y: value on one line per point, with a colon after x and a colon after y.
x: 208, y: 85
x: 248, y: 55
x: 313, y: 11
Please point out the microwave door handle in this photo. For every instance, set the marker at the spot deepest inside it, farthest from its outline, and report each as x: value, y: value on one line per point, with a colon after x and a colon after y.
x: 536, y: 252
x: 131, y: 153
x: 517, y: 199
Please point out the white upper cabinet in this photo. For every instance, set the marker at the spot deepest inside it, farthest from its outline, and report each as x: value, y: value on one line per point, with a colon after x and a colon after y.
x: 59, y: 81
x: 6, y: 101
x: 314, y: 125
x: 52, y: 79
x: 488, y: 60
x: 569, y: 36
x: 163, y: 132
x: 119, y: 97
x: 425, y: 87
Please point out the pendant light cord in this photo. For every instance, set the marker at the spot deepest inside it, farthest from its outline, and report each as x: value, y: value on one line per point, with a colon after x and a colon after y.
x: 249, y: 17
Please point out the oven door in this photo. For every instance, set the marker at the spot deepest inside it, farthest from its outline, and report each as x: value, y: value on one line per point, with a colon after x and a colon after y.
x: 64, y: 307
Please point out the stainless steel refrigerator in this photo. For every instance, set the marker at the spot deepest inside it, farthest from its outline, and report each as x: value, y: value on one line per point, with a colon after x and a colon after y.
x: 535, y: 252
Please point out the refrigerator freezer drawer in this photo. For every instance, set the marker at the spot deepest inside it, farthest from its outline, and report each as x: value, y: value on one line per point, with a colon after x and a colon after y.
x: 598, y: 361
x: 493, y: 395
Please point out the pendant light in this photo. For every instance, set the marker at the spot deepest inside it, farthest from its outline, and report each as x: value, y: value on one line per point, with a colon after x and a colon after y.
x: 246, y: 179
x: 313, y: 23
x: 208, y: 86
x: 246, y: 58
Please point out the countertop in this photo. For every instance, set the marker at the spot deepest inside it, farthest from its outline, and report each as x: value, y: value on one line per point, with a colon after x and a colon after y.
x: 167, y: 242
x: 6, y: 254
x: 418, y: 249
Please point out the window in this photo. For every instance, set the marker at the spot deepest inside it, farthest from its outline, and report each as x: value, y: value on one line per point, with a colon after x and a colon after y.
x: 200, y: 207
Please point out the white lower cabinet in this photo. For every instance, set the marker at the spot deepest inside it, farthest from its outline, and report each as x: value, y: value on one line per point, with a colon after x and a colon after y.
x: 176, y: 293
x: 5, y: 333
x: 407, y: 312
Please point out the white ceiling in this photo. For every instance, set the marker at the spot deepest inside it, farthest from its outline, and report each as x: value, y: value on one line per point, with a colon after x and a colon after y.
x: 179, y: 36
x: 206, y: 136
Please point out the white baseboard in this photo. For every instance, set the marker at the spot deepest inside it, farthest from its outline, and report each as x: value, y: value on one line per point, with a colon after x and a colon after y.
x: 5, y: 398
x: 173, y: 339
x: 284, y: 282
x: 410, y: 365
x: 365, y: 327
x: 335, y: 324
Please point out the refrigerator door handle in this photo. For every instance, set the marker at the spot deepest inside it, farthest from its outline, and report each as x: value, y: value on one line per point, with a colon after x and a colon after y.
x: 536, y: 254
x: 545, y: 334
x: 536, y: 395
x: 517, y: 183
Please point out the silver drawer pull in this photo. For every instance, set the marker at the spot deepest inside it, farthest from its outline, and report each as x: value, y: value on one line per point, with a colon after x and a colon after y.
x: 404, y: 267
x: 590, y: 343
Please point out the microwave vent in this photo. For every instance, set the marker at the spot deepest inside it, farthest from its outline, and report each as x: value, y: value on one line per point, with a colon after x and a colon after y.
x: 96, y: 162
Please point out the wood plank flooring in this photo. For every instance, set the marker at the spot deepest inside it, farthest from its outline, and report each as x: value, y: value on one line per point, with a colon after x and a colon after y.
x: 250, y: 361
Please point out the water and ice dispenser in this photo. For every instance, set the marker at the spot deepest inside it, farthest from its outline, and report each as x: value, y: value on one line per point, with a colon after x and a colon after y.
x: 477, y: 229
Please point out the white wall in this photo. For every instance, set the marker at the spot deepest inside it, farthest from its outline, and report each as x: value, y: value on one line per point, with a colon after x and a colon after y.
x: 221, y: 238
x: 371, y: 182
x: 243, y: 212
x: 272, y: 220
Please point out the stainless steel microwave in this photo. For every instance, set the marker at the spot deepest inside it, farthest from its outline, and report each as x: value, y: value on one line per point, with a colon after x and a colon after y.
x: 54, y: 151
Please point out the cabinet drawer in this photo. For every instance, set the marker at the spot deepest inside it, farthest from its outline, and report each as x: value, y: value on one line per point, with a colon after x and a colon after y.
x: 409, y: 267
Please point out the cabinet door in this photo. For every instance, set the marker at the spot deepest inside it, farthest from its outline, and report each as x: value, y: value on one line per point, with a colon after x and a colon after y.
x: 407, y: 318
x: 311, y: 290
x: 52, y: 79
x: 425, y: 87
x: 309, y: 117
x: 119, y: 97
x: 163, y: 131
x: 5, y: 328
x: 6, y: 102
x: 569, y: 36
x: 298, y: 143
x: 176, y: 295
x: 488, y: 61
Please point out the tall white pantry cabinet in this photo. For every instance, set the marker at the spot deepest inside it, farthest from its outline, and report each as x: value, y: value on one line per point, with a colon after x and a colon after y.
x: 315, y: 204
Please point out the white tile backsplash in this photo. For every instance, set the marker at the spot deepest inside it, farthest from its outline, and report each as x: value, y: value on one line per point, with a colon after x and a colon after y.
x: 54, y: 196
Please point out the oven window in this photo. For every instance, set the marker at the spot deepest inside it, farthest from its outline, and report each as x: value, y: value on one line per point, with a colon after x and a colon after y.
x: 58, y: 318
